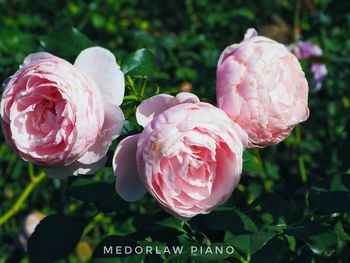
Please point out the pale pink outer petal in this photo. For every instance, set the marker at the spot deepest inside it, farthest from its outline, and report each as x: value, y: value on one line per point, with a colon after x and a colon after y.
x: 37, y: 56
x: 100, y: 65
x: 128, y: 183
x: 112, y: 126
x: 74, y: 168
x: 153, y: 106
x: 251, y: 32
x: 186, y: 97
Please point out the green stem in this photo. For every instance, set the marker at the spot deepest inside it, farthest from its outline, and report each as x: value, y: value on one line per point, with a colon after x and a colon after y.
x: 302, y: 169
x: 297, y: 135
x: 142, y: 93
x: 260, y: 160
x: 22, y: 198
x: 301, y: 163
x: 131, y: 84
x: 31, y: 171
x: 296, y: 26
x: 97, y: 218
x: 243, y: 260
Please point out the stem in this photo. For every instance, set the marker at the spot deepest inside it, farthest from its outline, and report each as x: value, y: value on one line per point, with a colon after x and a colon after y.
x: 302, y: 169
x: 142, y: 93
x: 297, y: 135
x: 131, y: 84
x: 22, y: 198
x: 296, y: 26
x: 258, y: 157
x: 97, y: 218
x: 31, y: 171
x: 301, y: 163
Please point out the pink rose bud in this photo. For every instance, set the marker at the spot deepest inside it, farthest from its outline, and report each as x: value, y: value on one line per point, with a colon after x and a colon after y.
x: 30, y: 223
x: 63, y: 116
x: 189, y: 155
x: 262, y: 87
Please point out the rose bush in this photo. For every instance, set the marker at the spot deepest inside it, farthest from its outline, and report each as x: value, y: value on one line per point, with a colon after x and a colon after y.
x: 262, y: 87
x: 189, y: 155
x: 63, y: 116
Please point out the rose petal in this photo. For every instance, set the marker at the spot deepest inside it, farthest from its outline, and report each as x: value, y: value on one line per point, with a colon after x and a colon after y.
x: 100, y: 64
x: 128, y: 184
x: 186, y: 97
x: 112, y: 126
x: 74, y: 168
x: 37, y: 56
x: 153, y: 106
x: 251, y: 32
x: 227, y: 52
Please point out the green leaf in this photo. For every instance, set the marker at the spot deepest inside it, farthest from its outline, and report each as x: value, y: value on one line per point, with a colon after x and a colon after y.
x: 143, y: 221
x: 276, y: 206
x: 251, y: 243
x: 141, y: 63
x: 66, y: 42
x: 320, y: 238
x: 226, y: 219
x: 101, y: 194
x: 160, y: 218
x: 340, y: 183
x: 157, y: 232
x: 172, y: 222
x: 158, y: 226
x: 341, y: 233
x: 55, y: 237
x: 251, y: 164
x: 324, y: 202
x: 244, y: 12
x: 271, y: 252
x: 15, y: 45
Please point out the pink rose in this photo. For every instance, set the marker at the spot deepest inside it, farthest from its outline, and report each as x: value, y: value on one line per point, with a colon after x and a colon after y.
x: 189, y: 155
x: 262, y: 87
x: 63, y: 116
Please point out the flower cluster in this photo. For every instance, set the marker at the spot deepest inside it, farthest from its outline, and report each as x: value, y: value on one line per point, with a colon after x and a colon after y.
x: 64, y: 117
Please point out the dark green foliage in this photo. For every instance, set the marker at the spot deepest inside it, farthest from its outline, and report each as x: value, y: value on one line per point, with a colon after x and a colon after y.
x: 55, y: 237
x: 101, y: 194
x: 139, y: 64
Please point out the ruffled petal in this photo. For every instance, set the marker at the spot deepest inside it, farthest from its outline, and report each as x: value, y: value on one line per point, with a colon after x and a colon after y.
x: 186, y: 97
x: 128, y: 183
x: 112, y: 126
x: 100, y: 65
x: 153, y: 106
x: 37, y: 56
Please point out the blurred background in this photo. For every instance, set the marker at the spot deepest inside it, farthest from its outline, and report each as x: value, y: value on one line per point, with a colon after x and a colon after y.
x: 187, y: 38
